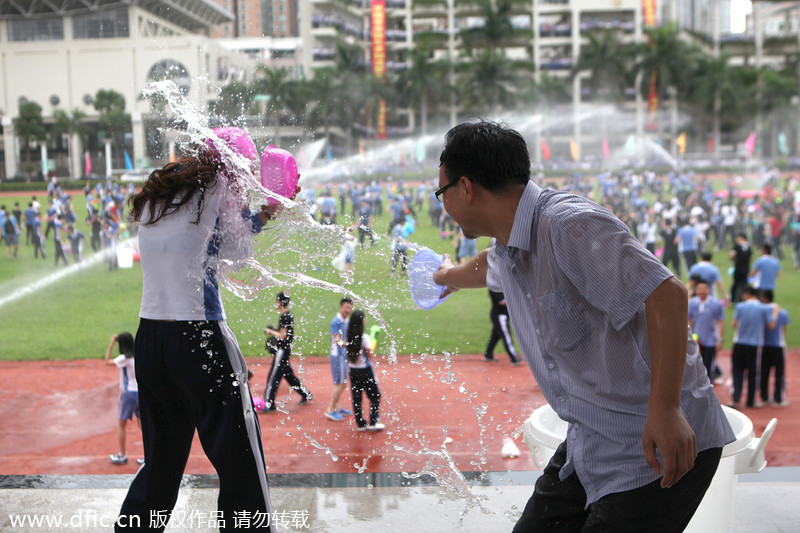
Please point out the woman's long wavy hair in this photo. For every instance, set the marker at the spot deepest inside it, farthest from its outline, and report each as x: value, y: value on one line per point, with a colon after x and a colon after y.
x: 355, y: 333
x: 170, y: 188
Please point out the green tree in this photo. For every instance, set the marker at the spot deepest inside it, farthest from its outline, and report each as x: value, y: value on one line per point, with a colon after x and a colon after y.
x: 349, y: 87
x: 321, y: 110
x: 496, y: 30
x: 233, y: 102
x: 113, y: 119
x: 424, y: 83
x: 712, y: 88
x: 607, y: 60
x: 274, y: 84
x: 29, y: 126
x: 488, y: 82
x: 70, y: 125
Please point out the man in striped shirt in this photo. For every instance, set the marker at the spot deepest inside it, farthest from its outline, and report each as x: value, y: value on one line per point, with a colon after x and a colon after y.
x: 603, y: 326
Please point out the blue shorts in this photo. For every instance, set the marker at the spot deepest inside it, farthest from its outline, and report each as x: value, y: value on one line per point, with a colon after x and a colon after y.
x: 128, y: 405
x: 339, y: 369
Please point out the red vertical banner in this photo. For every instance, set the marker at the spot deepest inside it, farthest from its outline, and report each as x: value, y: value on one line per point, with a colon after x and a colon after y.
x: 649, y: 19
x: 382, y: 119
x: 378, y: 27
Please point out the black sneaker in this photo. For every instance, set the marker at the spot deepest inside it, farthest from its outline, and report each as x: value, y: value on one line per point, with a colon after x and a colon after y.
x: 305, y: 399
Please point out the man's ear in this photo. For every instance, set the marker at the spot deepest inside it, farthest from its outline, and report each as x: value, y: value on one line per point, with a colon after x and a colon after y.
x: 469, y: 188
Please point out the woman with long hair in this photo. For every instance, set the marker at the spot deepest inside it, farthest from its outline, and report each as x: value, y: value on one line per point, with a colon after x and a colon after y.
x: 362, y: 376
x: 193, y: 218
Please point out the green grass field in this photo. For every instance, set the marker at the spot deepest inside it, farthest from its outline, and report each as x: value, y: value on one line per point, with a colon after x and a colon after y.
x: 75, y: 316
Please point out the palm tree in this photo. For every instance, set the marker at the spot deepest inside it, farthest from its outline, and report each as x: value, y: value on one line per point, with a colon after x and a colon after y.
x: 489, y: 81
x: 29, y: 126
x: 350, y: 86
x: 322, y: 100
x: 712, y: 86
x: 424, y: 82
x: 496, y: 29
x: 273, y: 84
x: 113, y: 119
x: 665, y: 55
x: 607, y: 60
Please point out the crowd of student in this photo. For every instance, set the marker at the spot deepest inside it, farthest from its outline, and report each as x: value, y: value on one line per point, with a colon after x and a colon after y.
x: 104, y: 222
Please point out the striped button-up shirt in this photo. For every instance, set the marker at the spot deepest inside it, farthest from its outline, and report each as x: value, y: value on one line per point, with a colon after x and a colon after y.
x: 576, y: 282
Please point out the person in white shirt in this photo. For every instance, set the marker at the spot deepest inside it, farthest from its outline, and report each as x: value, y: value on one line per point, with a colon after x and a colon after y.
x: 129, y: 399
x: 193, y: 221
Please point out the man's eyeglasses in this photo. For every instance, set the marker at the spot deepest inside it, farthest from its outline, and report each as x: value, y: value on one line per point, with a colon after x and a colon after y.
x: 440, y: 191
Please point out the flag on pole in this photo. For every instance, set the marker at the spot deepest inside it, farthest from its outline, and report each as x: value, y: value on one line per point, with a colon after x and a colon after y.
x: 573, y: 149
x: 606, y: 151
x: 329, y: 154
x: 710, y: 144
x: 128, y: 163
x: 681, y: 143
x: 545, y: 151
x: 750, y: 143
x: 88, y: 163
x: 631, y: 146
x: 361, y: 152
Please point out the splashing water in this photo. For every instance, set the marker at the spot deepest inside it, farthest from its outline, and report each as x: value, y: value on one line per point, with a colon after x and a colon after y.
x: 443, y: 470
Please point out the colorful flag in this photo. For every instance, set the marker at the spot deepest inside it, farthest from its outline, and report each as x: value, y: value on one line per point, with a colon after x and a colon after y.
x: 606, y: 151
x: 631, y: 146
x: 750, y: 143
x: 681, y: 142
x: 710, y: 144
x: 573, y: 149
x: 329, y: 154
x: 88, y: 163
x: 545, y: 151
x: 128, y: 162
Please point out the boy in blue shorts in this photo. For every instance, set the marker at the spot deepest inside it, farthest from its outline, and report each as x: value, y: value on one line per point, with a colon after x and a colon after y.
x: 338, y: 332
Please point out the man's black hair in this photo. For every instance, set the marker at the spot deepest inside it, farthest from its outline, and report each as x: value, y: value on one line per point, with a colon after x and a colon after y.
x: 487, y: 153
x: 345, y: 301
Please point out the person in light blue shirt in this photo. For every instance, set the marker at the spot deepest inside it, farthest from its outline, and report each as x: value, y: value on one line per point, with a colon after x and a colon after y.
x: 687, y: 240
x: 766, y: 269
x: 603, y: 328
x: 749, y: 320
x: 338, y: 331
x: 773, y: 352
x: 708, y: 272
x: 707, y: 318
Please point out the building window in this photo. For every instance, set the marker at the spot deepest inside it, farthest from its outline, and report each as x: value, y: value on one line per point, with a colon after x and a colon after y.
x: 36, y: 30
x: 108, y: 24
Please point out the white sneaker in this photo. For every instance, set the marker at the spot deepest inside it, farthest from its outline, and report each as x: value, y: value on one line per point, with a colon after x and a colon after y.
x: 140, y: 461
x: 118, y: 459
x: 362, y: 428
x: 376, y: 427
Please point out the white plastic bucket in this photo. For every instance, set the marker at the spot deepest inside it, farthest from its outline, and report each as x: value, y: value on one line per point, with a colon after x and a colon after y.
x: 124, y: 257
x: 544, y: 431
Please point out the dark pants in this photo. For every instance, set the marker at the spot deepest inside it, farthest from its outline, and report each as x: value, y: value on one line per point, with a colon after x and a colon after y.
x: 60, y: 253
x: 743, y: 359
x: 501, y: 330
x: 29, y: 234
x: 362, y: 380
x: 739, y: 283
x: 674, y: 258
x: 400, y: 254
x: 709, y: 353
x: 282, y: 369
x: 38, y: 246
x: 690, y: 256
x: 558, y: 506
x: 184, y: 371
x: 772, y: 356
x: 364, y: 231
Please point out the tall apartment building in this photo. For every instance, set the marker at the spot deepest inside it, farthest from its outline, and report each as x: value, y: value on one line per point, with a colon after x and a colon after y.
x: 258, y: 18
x: 559, y: 30
x: 698, y: 15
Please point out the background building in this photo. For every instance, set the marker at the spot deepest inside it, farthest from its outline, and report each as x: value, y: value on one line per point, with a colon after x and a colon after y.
x: 60, y: 58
